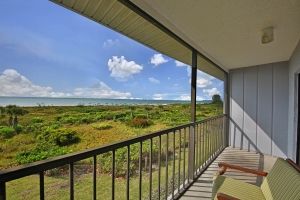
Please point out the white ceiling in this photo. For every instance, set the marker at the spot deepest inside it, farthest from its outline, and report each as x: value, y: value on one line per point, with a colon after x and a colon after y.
x: 229, y: 32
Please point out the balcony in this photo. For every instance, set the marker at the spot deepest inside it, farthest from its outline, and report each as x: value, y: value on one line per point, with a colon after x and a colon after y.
x: 202, y: 187
x: 261, y: 100
x: 160, y: 165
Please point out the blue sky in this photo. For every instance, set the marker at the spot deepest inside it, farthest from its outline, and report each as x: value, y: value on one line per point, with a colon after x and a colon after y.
x: 49, y: 51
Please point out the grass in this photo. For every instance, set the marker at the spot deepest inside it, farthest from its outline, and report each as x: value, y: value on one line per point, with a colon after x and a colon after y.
x: 85, y: 119
x: 52, y: 118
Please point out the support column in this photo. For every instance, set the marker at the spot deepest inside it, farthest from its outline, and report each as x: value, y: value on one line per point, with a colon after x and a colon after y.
x: 226, y: 110
x: 193, y: 116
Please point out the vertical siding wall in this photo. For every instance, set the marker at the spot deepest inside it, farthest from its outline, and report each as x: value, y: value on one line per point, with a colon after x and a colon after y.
x: 294, y: 70
x: 259, y: 108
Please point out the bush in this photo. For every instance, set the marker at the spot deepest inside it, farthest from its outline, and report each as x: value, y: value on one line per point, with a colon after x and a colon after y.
x: 141, y: 116
x: 40, y: 152
x: 55, y: 125
x: 69, y: 120
x: 57, y: 118
x: 61, y: 137
x: 139, y: 123
x: 30, y: 129
x: 121, y: 158
x: 37, y: 120
x: 19, y: 128
x: 7, y: 132
x: 101, y: 126
x: 86, y: 120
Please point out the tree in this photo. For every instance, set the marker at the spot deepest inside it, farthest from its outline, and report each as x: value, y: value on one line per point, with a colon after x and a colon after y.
x: 14, y: 111
x: 216, y: 99
x: 9, y: 111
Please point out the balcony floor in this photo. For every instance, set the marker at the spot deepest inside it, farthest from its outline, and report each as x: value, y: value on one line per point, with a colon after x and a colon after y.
x: 203, y: 186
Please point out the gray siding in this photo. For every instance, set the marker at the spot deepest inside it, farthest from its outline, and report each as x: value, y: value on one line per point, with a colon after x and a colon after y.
x: 294, y: 70
x: 259, y: 108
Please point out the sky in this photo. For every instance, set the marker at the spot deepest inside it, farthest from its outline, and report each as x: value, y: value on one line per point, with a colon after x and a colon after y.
x: 49, y: 51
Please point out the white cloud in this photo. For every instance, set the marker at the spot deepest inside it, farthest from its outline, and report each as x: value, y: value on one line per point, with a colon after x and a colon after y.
x: 169, y: 78
x: 202, y: 83
x: 100, y: 90
x: 153, y: 80
x: 157, y: 96
x: 14, y: 84
x: 180, y: 64
x: 121, y: 69
x: 203, y: 79
x: 176, y: 85
x: 158, y: 59
x: 110, y: 43
x: 187, y: 97
x: 211, y: 92
x: 200, y: 74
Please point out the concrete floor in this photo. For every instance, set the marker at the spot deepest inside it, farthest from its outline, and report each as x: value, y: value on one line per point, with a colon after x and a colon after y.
x: 203, y: 186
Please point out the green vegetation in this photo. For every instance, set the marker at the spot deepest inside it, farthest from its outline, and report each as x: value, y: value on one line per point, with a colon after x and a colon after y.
x: 46, y: 132
x: 73, y: 128
x: 216, y: 99
x: 37, y: 120
x: 7, y: 132
x: 101, y: 126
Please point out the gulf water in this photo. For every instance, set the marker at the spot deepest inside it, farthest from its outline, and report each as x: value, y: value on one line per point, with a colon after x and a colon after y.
x: 48, y: 101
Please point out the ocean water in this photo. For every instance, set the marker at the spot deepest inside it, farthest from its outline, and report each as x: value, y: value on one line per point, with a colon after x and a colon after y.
x: 47, y: 101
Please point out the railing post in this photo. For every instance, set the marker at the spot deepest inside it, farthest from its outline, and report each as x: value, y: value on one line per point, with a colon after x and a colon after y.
x: 2, y: 191
x: 193, y: 116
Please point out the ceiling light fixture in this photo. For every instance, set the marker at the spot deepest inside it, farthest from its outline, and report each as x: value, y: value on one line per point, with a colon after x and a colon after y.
x: 267, y: 35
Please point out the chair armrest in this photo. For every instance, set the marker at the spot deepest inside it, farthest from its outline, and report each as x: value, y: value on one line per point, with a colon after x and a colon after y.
x: 293, y: 164
x: 251, y: 171
x: 222, y: 196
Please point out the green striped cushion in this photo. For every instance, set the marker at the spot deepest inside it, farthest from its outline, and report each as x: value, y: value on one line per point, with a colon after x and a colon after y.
x: 282, y: 182
x: 235, y: 188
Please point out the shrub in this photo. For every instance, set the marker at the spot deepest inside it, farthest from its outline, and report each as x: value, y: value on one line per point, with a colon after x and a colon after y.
x: 39, y: 137
x: 141, y: 116
x: 55, y: 125
x: 121, y: 158
x: 19, y: 128
x: 69, y: 120
x: 61, y: 137
x: 37, y: 120
x: 30, y: 128
x: 86, y: 120
x: 101, y: 126
x: 40, y: 152
x: 7, y: 132
x: 139, y: 123
x: 57, y: 118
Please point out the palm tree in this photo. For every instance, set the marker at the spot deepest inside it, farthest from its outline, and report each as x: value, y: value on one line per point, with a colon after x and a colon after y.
x: 9, y: 111
x: 18, y: 111
x: 14, y: 111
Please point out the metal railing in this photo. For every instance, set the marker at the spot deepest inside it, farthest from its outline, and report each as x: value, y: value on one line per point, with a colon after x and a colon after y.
x: 160, y: 165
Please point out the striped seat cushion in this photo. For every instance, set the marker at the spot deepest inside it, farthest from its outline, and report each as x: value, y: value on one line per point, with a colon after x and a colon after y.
x: 235, y: 188
x: 282, y: 182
